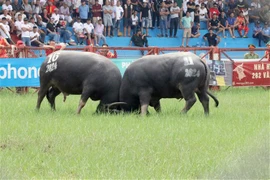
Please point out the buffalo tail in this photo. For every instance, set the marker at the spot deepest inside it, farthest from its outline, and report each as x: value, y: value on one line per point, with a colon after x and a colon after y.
x: 212, y: 96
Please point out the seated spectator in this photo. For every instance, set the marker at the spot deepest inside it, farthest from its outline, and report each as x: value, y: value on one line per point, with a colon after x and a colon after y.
x: 41, y: 32
x: 214, y: 10
x: 16, y: 6
x: 203, y: 13
x: 9, y: 20
x: 105, y: 52
x: 64, y: 13
x: 78, y: 31
x: 214, y: 24
x: 251, y: 54
x: 253, y: 15
x: 7, y: 6
x: 266, y: 32
x: 231, y: 23
x: 56, y: 16
x: 257, y: 32
x: 245, y: 13
x: 18, y: 25
x: 26, y: 29
x: 63, y: 32
x: 195, y: 31
x: 50, y: 8
x: 256, y: 4
x: 224, y: 23
x: 5, y: 30
x: 51, y: 31
x: 99, y: 30
x: 3, y: 43
x: 135, y: 22
x: 45, y: 16
x: 34, y: 37
x: 241, y: 4
x: 242, y: 25
x: 41, y: 25
x: 83, y: 11
x: 139, y: 40
x: 212, y: 39
x: 27, y: 8
x: 21, y: 12
x: 89, y: 32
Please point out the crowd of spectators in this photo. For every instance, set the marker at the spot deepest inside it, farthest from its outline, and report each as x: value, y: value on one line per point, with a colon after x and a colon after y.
x: 92, y: 21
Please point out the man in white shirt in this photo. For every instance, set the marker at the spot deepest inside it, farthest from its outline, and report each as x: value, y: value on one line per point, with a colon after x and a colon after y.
x: 18, y: 25
x: 26, y: 29
x: 7, y: 6
x: 99, y: 29
x: 203, y: 13
x: 56, y: 16
x: 20, y: 12
x: 119, y: 13
x: 34, y: 37
x: 78, y: 31
x: 4, y: 30
x: 64, y: 13
x: 89, y: 31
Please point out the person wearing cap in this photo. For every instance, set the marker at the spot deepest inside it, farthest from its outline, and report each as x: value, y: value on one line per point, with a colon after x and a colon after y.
x: 26, y: 29
x: 241, y: 23
x: 4, y: 30
x: 257, y: 32
x: 51, y: 31
x: 266, y: 32
x: 139, y: 40
x: 251, y: 54
x: 105, y: 52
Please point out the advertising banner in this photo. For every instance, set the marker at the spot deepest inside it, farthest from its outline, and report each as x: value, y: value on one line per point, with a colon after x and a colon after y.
x: 251, y: 73
x: 24, y: 72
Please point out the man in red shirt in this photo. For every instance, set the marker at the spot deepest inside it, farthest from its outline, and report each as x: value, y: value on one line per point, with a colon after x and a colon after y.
x: 53, y: 47
x: 214, y: 10
x: 106, y: 52
x: 97, y: 12
x: 50, y: 8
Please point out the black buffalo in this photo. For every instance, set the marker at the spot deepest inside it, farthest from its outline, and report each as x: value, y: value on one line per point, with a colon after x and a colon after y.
x: 91, y: 75
x: 174, y: 75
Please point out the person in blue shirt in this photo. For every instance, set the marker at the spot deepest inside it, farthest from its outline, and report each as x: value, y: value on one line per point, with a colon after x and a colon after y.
x: 257, y: 32
x: 231, y: 23
x: 266, y: 32
x: 83, y: 11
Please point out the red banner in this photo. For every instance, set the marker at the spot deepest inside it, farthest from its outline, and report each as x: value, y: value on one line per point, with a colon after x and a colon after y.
x: 251, y: 74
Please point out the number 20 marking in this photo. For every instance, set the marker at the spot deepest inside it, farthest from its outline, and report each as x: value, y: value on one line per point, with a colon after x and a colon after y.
x: 53, y: 57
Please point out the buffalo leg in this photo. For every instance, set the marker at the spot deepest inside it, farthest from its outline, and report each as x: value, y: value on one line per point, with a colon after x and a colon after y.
x: 156, y: 105
x: 190, y: 99
x: 84, y: 97
x: 204, y: 99
x: 145, y: 98
x: 41, y: 94
x: 51, y: 94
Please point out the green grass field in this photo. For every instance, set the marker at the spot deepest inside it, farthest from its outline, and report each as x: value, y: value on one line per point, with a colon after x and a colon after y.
x: 233, y: 142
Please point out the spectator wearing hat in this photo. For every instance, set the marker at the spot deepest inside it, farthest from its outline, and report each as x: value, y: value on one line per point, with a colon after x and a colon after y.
x: 251, y: 54
x: 99, y: 30
x: 53, y: 46
x: 267, y: 52
x: 51, y: 31
x: 34, y: 37
x: 83, y: 11
x: 63, y: 32
x: 212, y: 39
x: 65, y: 13
x: 26, y: 29
x: 139, y: 40
x: 241, y: 24
x: 214, y: 24
x: 78, y: 31
x: 27, y: 8
x: 266, y: 32
x: 257, y: 32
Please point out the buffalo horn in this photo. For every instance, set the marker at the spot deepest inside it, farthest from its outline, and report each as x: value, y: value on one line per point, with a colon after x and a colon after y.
x: 115, y: 104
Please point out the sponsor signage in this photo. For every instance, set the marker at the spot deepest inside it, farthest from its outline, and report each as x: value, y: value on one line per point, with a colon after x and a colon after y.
x: 251, y: 73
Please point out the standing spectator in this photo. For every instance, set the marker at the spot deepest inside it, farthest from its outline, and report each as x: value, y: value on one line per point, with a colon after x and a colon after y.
x: 34, y: 37
x: 96, y: 10
x: 127, y: 17
x: 256, y: 4
x: 135, y: 4
x: 27, y: 8
x: 267, y: 52
x: 119, y: 13
x: 155, y: 14
x: 251, y: 54
x: 26, y: 29
x: 232, y: 5
x: 7, y: 6
x: 89, y: 31
x: 99, y: 30
x: 231, y: 23
x: 3, y: 43
x: 4, y: 30
x: 203, y: 13
x: 107, y: 18
x: 83, y: 11
x: 16, y: 6
x: 50, y: 7
x: 197, y: 14
x: 241, y: 4
x: 135, y: 22
x: 191, y: 8
x: 163, y: 20
x: 175, y: 11
x: 186, y: 24
x: 76, y: 4
x: 144, y: 17
x: 113, y: 16
x: 65, y: 13
x: 51, y: 31
x: 139, y: 40
x: 211, y: 38
x: 242, y: 25
x: 195, y: 31
x: 266, y: 32
x: 18, y: 25
x: 257, y: 32
x: 214, y: 10
x: 37, y: 8
x: 223, y: 23
x: 78, y: 31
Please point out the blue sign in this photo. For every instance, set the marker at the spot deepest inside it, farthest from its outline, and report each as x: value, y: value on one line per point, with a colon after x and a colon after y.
x: 24, y: 72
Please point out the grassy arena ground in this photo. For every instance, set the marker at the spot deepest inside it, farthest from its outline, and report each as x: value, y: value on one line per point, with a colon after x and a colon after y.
x: 233, y: 142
